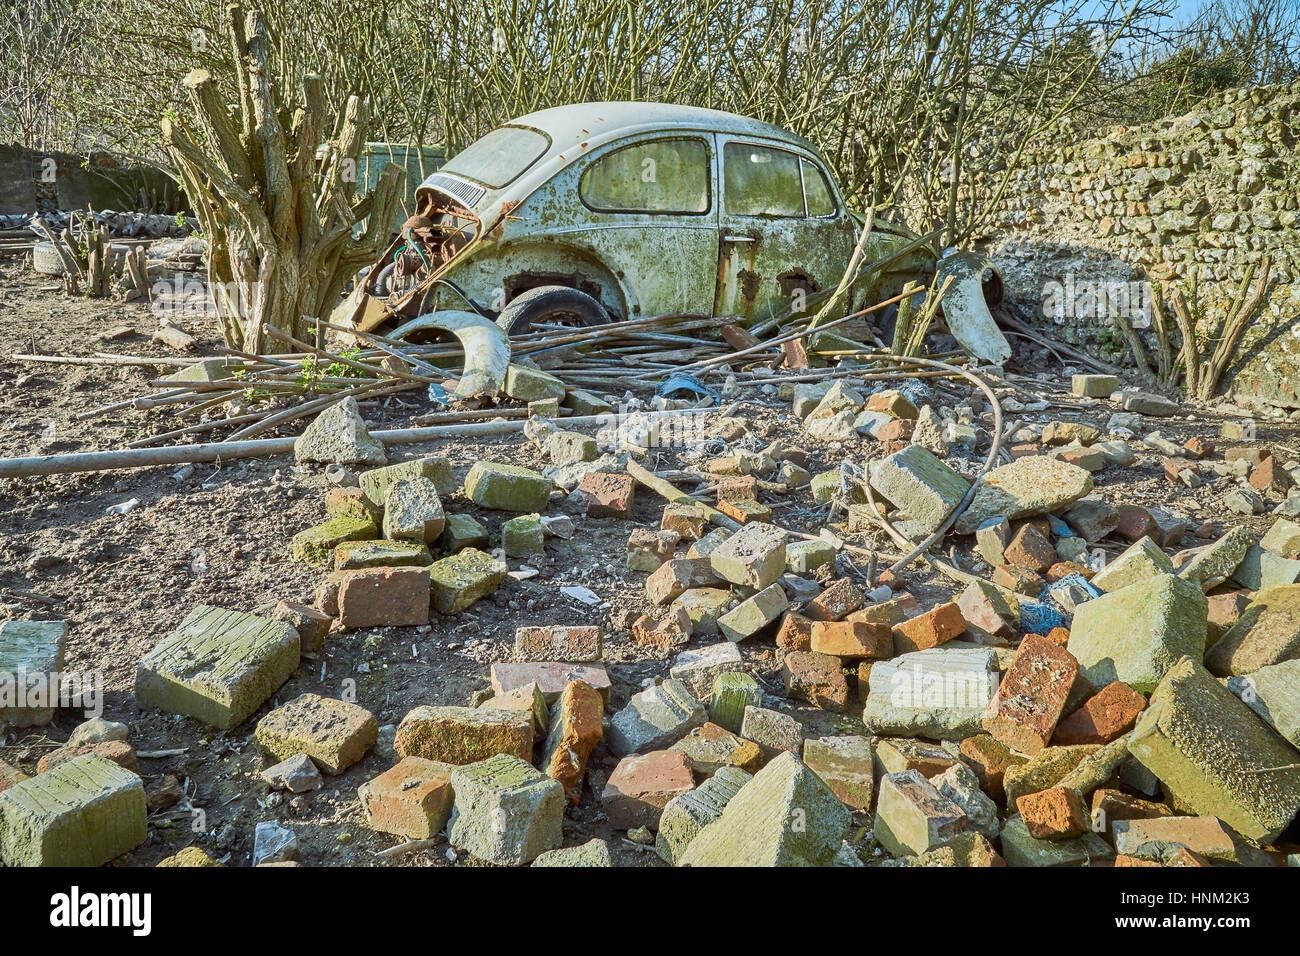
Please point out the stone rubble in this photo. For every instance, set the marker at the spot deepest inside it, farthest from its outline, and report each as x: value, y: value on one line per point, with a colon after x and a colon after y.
x: 1066, y: 691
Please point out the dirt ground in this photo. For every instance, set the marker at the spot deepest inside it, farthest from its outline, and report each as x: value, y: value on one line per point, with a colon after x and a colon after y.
x: 220, y: 535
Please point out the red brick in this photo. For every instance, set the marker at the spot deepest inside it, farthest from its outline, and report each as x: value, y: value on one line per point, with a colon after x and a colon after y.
x: 641, y: 786
x: 667, y: 629
x: 1057, y: 813
x: 1059, y: 635
x: 118, y: 751
x: 576, y: 732
x: 817, y: 679
x: 1135, y: 522
x: 737, y: 488
x: 795, y: 633
x: 892, y: 402
x: 1029, y: 549
x: 1176, y: 466
x: 1224, y: 610
x: 852, y: 639
x: 1111, y: 805
x: 1024, y: 712
x: 10, y: 775
x: 412, y: 799
x: 1063, y: 569
x: 930, y: 629
x: 608, y: 495
x: 1018, y: 579
x: 1269, y: 475
x: 989, y: 759
x: 840, y: 598
x: 1109, y: 714
x: 557, y: 642
x: 312, y: 625
x: 1123, y: 860
x: 1198, y: 447
x: 895, y: 430
x: 744, y: 510
x: 690, y: 521
x: 379, y: 597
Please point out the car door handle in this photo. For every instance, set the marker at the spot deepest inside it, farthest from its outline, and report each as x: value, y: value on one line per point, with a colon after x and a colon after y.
x: 739, y: 239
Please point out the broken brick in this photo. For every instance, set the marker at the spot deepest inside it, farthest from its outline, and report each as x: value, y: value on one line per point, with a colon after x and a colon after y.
x: 689, y: 521
x: 852, y: 639
x: 840, y: 598
x: 647, y: 550
x: 608, y: 495
x: 934, y: 627
x: 558, y: 643
x: 677, y: 576
x: 795, y: 633
x: 641, y: 786
x: 1024, y: 712
x: 1057, y: 813
x: 745, y: 510
x: 1029, y: 549
x: 379, y: 597
x: 666, y: 629
x: 815, y: 678
x: 1111, y: 712
x: 1018, y: 579
x: 412, y: 799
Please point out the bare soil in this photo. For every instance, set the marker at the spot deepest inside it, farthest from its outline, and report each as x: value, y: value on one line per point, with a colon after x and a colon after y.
x: 220, y: 535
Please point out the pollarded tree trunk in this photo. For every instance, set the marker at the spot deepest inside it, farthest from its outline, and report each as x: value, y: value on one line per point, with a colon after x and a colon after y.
x: 278, y: 219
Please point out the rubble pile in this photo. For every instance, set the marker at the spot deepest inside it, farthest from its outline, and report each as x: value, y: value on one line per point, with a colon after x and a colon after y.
x: 1066, y: 688
x: 120, y: 225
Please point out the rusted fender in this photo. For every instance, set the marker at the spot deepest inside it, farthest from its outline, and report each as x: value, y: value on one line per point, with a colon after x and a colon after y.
x: 486, y: 346
x: 966, y: 311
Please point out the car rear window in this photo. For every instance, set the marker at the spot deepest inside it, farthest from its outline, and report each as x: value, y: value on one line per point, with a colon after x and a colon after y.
x: 499, y: 157
x: 663, y: 175
x: 761, y: 182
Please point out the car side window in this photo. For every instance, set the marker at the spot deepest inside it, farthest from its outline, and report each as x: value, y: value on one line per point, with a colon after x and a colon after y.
x: 816, y: 191
x: 660, y: 176
x: 758, y: 181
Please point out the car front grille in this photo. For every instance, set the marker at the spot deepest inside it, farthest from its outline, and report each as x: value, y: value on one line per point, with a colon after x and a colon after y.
x: 466, y: 193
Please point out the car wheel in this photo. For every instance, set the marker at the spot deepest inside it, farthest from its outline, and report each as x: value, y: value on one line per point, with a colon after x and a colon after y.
x: 550, y: 303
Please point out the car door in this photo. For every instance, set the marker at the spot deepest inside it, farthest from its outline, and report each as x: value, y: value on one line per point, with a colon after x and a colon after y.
x: 783, y: 229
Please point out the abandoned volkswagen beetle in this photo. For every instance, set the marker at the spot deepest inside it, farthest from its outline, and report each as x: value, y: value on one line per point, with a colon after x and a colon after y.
x: 603, y: 211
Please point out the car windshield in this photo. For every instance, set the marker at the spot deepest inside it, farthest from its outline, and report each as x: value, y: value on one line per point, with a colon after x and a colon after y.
x: 500, y: 156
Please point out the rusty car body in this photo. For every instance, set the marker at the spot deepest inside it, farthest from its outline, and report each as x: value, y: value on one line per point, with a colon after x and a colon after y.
x: 629, y: 210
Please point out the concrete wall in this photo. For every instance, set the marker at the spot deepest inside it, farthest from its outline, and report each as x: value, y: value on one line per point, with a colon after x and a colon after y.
x: 30, y: 180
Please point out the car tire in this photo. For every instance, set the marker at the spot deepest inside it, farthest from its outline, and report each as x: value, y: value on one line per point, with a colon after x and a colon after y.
x: 46, y: 260
x: 550, y: 302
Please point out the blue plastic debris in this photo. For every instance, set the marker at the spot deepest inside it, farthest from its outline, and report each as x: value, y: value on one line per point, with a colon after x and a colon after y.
x: 681, y: 385
x: 1059, y: 528
x: 438, y: 394
x: 1039, y: 618
x: 1077, y: 580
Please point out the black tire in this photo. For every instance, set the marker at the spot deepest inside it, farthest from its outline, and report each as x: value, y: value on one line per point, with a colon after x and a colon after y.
x: 550, y: 302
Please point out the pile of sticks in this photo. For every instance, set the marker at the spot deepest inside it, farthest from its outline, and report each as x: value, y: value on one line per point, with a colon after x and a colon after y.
x: 261, y: 393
